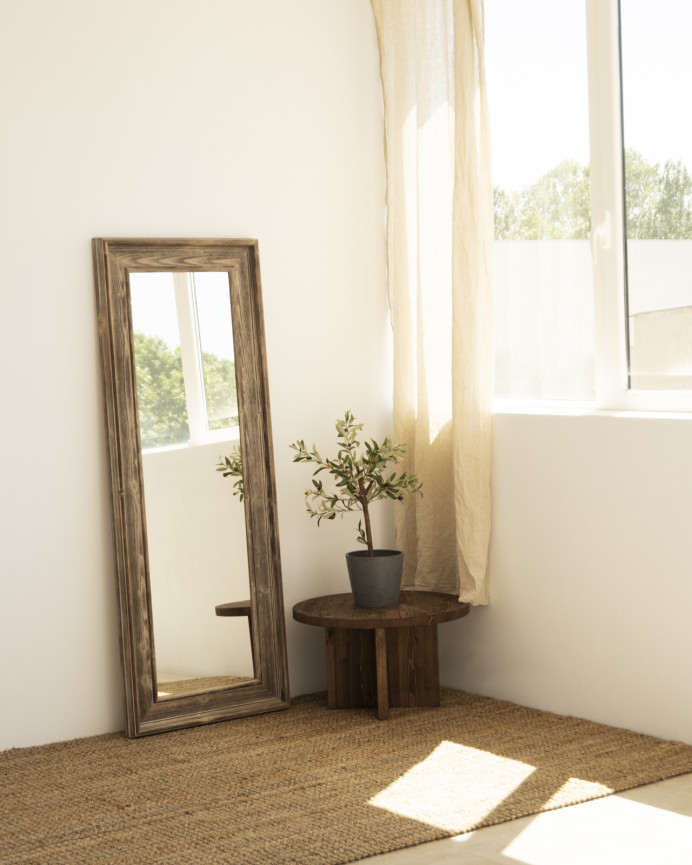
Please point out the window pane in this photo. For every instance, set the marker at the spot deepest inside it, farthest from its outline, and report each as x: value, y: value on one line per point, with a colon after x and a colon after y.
x: 160, y: 385
x: 656, y: 70
x: 213, y: 304
x: 538, y: 99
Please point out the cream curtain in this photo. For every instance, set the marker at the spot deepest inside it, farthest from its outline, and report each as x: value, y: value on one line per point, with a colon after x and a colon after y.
x: 439, y: 250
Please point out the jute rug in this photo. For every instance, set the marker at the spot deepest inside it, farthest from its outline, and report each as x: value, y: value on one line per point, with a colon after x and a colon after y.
x: 310, y: 786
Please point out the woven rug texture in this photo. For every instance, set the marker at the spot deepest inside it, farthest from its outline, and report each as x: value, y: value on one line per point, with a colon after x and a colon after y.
x: 310, y: 785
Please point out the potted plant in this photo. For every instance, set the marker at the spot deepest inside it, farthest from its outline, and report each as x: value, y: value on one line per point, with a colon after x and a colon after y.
x: 360, y: 474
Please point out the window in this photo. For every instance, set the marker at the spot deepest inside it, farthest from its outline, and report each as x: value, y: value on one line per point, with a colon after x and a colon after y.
x: 593, y: 201
x: 186, y: 386
x: 656, y: 65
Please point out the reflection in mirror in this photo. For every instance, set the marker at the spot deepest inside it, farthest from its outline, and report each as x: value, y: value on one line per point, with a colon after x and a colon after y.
x: 202, y: 629
x: 188, y: 410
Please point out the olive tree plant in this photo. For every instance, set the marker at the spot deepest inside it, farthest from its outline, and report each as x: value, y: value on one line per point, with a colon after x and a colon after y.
x: 232, y: 466
x: 360, y: 475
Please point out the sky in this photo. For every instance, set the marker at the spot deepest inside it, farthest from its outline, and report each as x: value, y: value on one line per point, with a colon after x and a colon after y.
x: 538, y: 87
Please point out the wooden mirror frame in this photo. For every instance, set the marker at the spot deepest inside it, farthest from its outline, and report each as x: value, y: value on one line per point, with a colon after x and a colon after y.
x: 114, y: 260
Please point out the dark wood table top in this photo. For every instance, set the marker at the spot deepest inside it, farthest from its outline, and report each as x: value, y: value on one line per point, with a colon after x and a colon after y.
x: 234, y: 608
x: 413, y: 609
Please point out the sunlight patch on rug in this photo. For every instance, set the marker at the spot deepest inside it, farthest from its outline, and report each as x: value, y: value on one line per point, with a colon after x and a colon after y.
x: 443, y: 789
x: 576, y: 789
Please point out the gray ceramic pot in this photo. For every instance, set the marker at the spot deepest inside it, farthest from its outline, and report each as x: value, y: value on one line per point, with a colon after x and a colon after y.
x: 375, y: 580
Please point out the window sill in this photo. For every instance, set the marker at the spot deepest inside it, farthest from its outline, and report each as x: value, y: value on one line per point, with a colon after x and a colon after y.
x: 560, y: 408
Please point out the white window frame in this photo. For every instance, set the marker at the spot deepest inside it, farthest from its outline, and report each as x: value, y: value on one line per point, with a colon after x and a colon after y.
x: 607, y: 237
x: 190, y: 355
x: 193, y: 372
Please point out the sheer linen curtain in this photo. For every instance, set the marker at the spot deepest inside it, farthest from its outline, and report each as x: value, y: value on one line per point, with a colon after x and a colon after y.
x: 439, y: 253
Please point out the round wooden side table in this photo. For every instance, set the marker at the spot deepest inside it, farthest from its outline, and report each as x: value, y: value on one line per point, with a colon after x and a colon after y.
x: 382, y: 657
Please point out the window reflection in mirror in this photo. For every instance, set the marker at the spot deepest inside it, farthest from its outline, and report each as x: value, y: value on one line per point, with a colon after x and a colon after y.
x: 186, y: 385
x: 188, y: 416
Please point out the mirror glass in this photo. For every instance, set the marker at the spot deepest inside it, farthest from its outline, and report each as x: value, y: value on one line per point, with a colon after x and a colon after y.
x: 198, y: 569
x: 188, y: 416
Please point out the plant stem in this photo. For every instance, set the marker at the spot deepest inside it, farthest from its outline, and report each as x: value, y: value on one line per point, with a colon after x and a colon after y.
x: 366, y: 515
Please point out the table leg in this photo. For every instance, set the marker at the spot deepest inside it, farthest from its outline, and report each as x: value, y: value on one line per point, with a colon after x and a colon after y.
x: 413, y: 669
x: 331, y: 668
x: 381, y: 665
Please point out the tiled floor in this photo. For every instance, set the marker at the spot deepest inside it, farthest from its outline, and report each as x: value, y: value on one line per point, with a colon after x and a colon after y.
x: 649, y: 825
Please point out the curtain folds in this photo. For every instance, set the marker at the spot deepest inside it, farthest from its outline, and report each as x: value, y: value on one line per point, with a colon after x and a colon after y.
x: 439, y: 254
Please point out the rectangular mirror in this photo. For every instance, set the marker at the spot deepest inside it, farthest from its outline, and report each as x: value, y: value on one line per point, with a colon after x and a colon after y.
x: 187, y: 412
x: 201, y: 608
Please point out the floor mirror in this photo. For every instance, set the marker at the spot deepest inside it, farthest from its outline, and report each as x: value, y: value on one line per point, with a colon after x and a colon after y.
x: 202, y: 629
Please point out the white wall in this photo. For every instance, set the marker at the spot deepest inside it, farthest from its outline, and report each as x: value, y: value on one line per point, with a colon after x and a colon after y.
x: 171, y: 118
x: 591, y: 577
x: 590, y: 565
x: 197, y: 559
